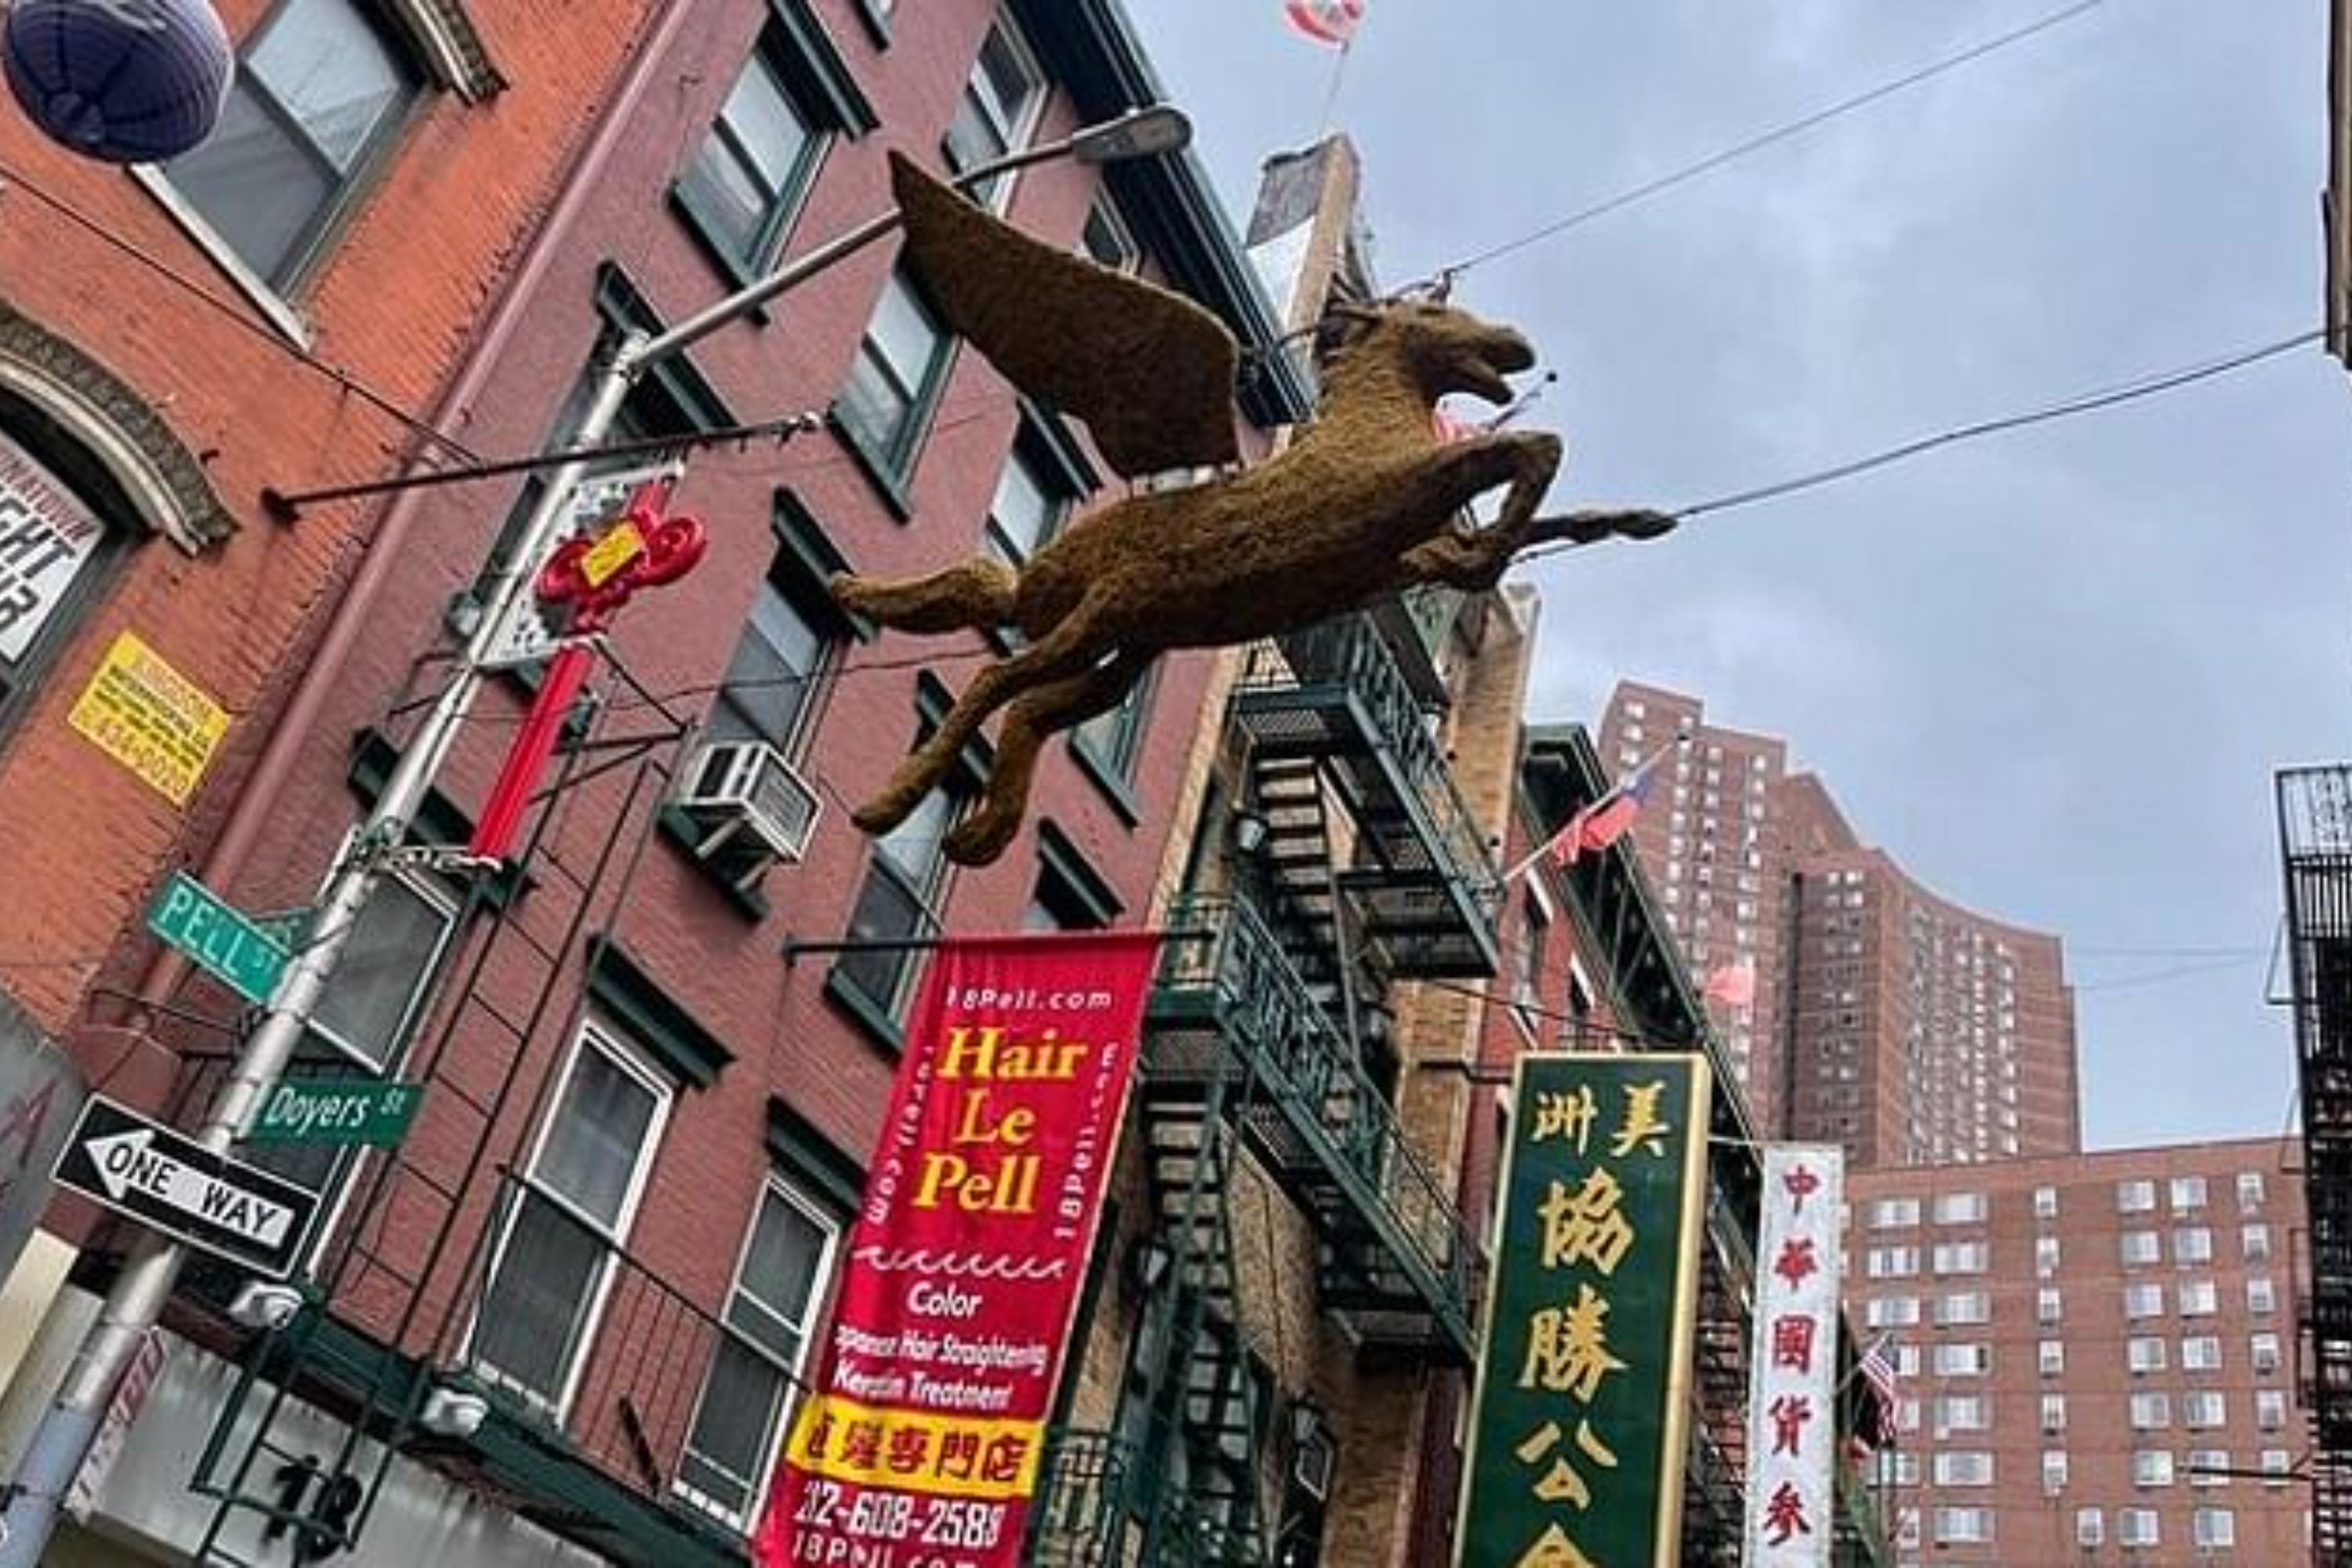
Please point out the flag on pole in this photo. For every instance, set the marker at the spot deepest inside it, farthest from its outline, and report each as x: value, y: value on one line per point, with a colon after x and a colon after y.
x: 1332, y: 22
x: 1733, y: 984
x: 1880, y: 1388
x: 1611, y: 817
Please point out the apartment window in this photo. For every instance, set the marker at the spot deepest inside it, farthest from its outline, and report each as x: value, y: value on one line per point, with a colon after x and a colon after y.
x: 2151, y: 1411
x: 998, y: 112
x: 2192, y: 1244
x: 2135, y: 1197
x: 1892, y: 1262
x: 566, y: 1221
x: 2203, y: 1409
x: 1112, y: 740
x: 1906, y: 1361
x: 779, y: 1280
x: 2201, y: 1352
x: 2277, y: 1466
x: 2141, y: 1246
x: 1963, y: 1360
x: 2188, y: 1193
x: 2255, y: 1243
x: 1960, y: 1413
x: 2045, y: 1202
x: 2209, y: 1467
x: 2144, y: 1354
x: 2250, y: 1191
x: 1963, y: 1468
x: 385, y: 974
x: 2090, y: 1527
x: 793, y: 638
x: 2214, y: 1528
x: 2047, y: 1304
x: 1106, y: 240
x: 2262, y: 1296
x: 1961, y: 1208
x: 895, y: 381
x: 1960, y: 1256
x: 1034, y: 495
x: 2151, y: 1467
x: 2265, y: 1352
x: 1893, y: 1213
x: 906, y: 874
x: 1962, y: 1308
x: 1892, y: 1311
x: 1535, y: 926
x: 319, y: 94
x: 2045, y: 1254
x: 2051, y: 1357
x: 2136, y: 1527
x: 2270, y: 1409
x: 1906, y: 1414
x: 744, y: 185
x: 2198, y: 1298
x: 1963, y: 1526
x: 54, y: 552
x: 2054, y: 1413
x: 1069, y: 895
x: 2143, y: 1300
x: 2054, y: 1471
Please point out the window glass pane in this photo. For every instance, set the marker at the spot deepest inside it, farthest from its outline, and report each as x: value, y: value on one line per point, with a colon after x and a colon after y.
x: 769, y: 131
x: 725, y: 192
x: 1003, y: 83
x: 872, y: 404
x: 770, y: 681
x: 254, y: 185
x: 48, y: 540
x: 328, y: 70
x: 597, y: 1138
x: 1025, y: 512
x: 885, y: 911
x: 915, y: 846
x: 904, y: 334
x: 780, y: 1271
x: 727, y: 1454
x: 532, y: 1315
x: 389, y: 956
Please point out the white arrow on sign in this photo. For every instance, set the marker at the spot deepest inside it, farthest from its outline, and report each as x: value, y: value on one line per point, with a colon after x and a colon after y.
x: 127, y: 1160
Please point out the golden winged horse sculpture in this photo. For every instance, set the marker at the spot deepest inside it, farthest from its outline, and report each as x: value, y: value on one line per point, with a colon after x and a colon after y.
x: 1368, y: 501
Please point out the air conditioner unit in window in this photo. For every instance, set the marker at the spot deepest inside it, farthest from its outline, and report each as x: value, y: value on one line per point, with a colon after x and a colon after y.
x: 750, y: 808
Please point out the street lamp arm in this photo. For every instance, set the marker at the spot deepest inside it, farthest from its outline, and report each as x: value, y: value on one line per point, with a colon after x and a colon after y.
x: 1138, y: 134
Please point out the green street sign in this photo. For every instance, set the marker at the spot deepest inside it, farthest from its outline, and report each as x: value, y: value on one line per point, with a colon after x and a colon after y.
x: 289, y: 929
x: 199, y: 923
x: 1577, y: 1430
x: 339, y: 1111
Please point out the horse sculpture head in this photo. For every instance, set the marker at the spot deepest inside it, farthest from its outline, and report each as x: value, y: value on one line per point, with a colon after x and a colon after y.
x: 1446, y: 349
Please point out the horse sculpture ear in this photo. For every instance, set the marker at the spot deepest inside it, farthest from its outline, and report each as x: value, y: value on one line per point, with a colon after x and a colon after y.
x: 1343, y: 323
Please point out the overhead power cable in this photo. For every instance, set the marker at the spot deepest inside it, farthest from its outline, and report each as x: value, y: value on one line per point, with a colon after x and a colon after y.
x: 1773, y: 137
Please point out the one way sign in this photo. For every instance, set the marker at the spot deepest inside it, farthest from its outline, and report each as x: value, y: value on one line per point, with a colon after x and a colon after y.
x: 168, y: 1181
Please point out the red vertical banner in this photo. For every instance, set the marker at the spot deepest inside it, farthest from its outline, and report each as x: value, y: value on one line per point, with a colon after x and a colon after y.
x: 922, y: 1438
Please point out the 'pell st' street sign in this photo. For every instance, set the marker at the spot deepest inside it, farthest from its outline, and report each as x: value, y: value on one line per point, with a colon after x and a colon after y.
x: 336, y: 1111
x: 199, y: 923
x: 167, y: 1179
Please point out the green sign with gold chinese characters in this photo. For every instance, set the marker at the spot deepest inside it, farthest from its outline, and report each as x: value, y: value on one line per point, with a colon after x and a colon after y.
x: 1578, y: 1436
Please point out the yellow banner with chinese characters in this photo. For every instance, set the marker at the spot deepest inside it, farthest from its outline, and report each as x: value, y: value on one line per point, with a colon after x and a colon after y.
x: 150, y: 718
x: 883, y: 1446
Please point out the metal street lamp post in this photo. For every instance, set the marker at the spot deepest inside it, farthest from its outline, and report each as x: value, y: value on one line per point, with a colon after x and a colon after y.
x: 62, y: 1440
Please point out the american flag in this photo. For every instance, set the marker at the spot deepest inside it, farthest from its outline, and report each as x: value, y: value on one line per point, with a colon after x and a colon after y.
x: 1876, y: 1427
x: 1331, y: 22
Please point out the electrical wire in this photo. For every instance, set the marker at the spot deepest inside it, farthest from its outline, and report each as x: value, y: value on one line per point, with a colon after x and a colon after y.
x: 2151, y: 386
x: 243, y: 316
x: 1772, y: 137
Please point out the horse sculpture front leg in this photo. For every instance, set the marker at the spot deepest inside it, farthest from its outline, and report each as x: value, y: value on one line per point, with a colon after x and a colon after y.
x: 1475, y: 560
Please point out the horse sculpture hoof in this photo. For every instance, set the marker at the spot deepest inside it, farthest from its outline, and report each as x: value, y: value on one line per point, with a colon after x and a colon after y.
x: 979, y: 840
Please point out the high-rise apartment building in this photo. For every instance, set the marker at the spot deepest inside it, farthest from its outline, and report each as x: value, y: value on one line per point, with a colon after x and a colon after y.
x: 2096, y: 1355
x: 1861, y: 1008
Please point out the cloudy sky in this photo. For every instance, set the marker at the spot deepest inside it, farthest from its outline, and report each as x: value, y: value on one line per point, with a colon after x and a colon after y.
x: 2051, y: 673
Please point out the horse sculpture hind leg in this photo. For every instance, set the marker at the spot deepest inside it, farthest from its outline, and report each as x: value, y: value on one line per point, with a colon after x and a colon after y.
x: 976, y: 594
x: 981, y: 837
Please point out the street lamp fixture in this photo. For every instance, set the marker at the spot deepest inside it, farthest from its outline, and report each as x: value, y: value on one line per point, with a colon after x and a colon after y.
x: 1147, y: 132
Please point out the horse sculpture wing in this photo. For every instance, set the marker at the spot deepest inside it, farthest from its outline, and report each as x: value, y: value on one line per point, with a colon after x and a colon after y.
x: 1150, y: 372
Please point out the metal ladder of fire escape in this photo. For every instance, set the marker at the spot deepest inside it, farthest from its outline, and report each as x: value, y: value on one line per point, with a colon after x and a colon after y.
x: 401, y: 1213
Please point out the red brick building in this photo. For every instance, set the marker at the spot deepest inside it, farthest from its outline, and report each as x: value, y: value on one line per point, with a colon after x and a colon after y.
x: 2097, y: 1354
x: 1884, y: 1018
x: 646, y: 1107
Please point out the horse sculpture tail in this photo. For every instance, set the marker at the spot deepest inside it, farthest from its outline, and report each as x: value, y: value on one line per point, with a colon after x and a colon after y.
x: 976, y: 594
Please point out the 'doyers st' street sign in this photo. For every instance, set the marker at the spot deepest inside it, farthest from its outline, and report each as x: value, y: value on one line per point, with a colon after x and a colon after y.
x: 336, y: 1111
x: 164, y: 1179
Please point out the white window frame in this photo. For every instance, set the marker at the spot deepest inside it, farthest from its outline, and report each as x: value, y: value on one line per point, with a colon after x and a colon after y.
x: 610, y: 1043
x: 829, y: 1222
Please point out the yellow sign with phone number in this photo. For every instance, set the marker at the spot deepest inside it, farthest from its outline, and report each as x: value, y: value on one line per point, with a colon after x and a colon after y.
x: 150, y: 718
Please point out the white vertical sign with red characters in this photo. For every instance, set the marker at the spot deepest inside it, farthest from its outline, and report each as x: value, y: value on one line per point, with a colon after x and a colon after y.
x: 1792, y: 1443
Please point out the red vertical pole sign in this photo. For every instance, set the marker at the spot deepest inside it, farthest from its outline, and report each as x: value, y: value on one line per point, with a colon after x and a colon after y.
x: 591, y: 578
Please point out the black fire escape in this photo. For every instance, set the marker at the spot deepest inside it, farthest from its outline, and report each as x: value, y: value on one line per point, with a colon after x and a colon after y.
x: 2315, y: 840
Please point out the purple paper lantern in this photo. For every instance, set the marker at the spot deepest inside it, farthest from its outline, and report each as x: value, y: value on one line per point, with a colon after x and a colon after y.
x: 129, y: 82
